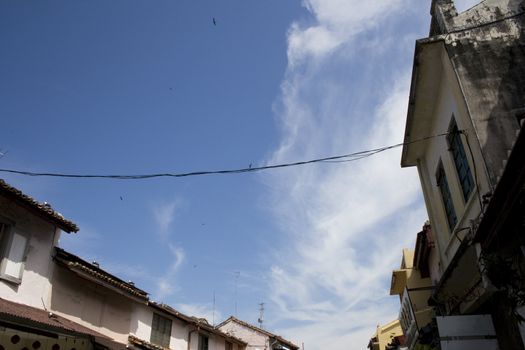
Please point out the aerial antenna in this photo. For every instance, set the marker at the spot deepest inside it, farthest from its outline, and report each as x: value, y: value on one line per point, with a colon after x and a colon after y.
x: 237, y: 274
x: 213, y: 317
x: 261, y: 315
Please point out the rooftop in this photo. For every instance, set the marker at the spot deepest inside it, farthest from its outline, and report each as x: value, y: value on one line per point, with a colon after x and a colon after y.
x: 260, y: 330
x: 42, y: 209
x: 94, y: 272
x: 199, y: 323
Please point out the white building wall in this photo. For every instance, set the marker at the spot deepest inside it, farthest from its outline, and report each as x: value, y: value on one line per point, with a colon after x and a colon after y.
x: 215, y: 342
x: 91, y: 305
x: 179, y: 335
x: 34, y: 289
x: 142, y: 317
x: 449, y: 102
x: 140, y: 324
x: 255, y: 340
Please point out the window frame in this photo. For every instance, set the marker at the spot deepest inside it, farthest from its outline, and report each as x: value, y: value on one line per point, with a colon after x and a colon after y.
x: 203, y: 345
x: 460, y: 160
x: 228, y: 345
x: 446, y: 197
x: 7, y: 233
x: 159, y: 336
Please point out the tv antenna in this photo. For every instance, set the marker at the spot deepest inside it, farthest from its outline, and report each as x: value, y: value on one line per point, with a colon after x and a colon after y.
x: 237, y: 275
x: 213, y: 317
x: 260, y: 320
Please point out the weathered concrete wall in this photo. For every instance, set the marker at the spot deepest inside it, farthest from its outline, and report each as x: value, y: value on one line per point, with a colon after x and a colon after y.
x: 487, y: 48
x: 446, y: 19
x: 35, y: 287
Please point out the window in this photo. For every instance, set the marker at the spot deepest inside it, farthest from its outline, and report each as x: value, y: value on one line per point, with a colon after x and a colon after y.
x: 203, y: 342
x: 460, y: 159
x: 228, y: 345
x: 160, y: 331
x: 13, y: 247
x: 445, y: 195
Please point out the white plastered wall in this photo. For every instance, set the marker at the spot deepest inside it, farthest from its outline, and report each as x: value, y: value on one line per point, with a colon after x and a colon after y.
x: 255, y: 340
x: 450, y: 103
x: 34, y: 289
x: 91, y: 305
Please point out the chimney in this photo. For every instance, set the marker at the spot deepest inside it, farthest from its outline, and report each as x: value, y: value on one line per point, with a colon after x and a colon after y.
x: 443, y: 13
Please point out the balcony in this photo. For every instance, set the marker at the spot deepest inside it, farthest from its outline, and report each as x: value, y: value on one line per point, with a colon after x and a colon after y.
x: 399, y: 281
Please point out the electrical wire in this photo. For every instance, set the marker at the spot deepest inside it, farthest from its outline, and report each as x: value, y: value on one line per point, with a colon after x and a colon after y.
x: 341, y: 158
x: 485, y: 24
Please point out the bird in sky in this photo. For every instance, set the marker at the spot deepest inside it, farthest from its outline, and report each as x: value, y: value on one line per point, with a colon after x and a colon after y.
x: 214, y: 21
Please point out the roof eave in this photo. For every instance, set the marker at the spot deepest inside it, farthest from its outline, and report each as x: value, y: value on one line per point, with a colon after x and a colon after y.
x: 414, y: 95
x: 31, y: 204
x: 411, y: 103
x: 269, y: 334
x: 73, y: 263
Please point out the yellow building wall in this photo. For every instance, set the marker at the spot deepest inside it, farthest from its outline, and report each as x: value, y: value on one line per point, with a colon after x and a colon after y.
x: 384, y: 335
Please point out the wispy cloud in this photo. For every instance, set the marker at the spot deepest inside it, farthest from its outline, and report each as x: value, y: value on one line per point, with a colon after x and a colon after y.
x: 346, y: 222
x: 166, y: 284
x: 201, y: 310
x: 338, y: 21
x: 164, y: 214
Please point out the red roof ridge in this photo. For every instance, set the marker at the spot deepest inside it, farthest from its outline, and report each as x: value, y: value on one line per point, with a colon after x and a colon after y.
x: 43, y: 318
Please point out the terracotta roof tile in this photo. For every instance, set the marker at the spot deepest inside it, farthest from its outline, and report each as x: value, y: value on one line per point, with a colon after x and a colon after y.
x: 43, y: 209
x: 144, y: 344
x: 37, y: 318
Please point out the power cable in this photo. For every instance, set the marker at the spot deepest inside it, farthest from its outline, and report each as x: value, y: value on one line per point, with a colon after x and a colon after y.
x: 341, y: 158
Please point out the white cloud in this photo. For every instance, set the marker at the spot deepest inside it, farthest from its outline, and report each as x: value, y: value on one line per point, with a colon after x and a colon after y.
x: 346, y: 223
x: 338, y: 22
x: 164, y: 214
x: 166, y: 284
x: 202, y: 311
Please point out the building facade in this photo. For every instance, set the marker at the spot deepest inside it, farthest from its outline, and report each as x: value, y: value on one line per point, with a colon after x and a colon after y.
x: 463, y: 133
x: 413, y: 289
x: 51, y: 299
x: 388, y: 337
x: 255, y: 337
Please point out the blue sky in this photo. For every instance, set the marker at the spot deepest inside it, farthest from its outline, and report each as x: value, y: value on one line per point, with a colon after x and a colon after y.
x: 143, y: 87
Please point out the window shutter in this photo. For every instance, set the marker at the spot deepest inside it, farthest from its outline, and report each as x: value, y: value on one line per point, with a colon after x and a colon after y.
x: 14, y: 259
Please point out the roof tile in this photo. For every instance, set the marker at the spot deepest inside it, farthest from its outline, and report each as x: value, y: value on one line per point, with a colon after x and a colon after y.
x: 43, y: 209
